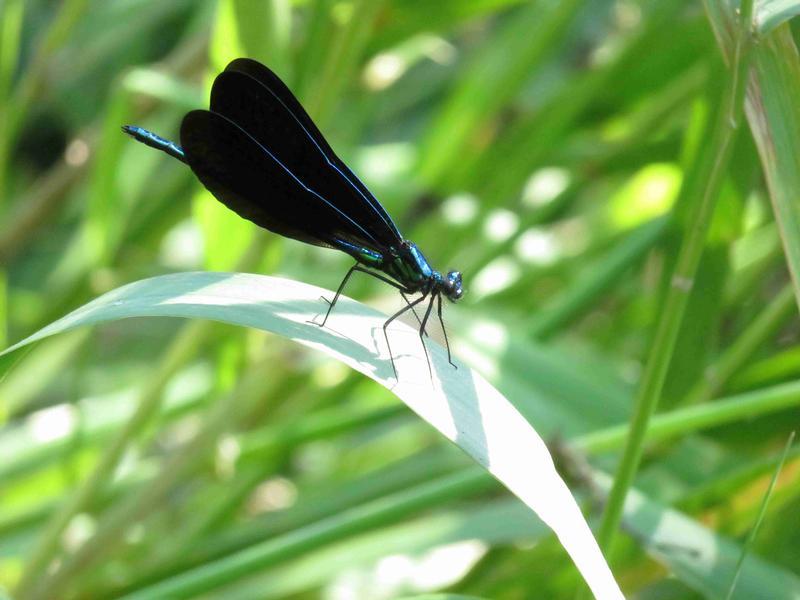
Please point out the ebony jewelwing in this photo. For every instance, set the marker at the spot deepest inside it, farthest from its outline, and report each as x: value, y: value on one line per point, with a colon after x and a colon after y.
x: 260, y: 154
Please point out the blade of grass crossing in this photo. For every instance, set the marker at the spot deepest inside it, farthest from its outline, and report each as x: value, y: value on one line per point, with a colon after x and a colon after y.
x: 774, y: 118
x: 11, y: 15
x: 498, y: 71
x: 574, y: 301
x: 149, y: 499
x: 32, y: 584
x: 761, y: 512
x: 361, y: 518
x: 680, y: 422
x: 345, y: 53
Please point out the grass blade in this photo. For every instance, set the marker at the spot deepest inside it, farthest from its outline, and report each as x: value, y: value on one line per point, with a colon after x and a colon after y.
x: 761, y: 512
x: 459, y: 404
x: 712, y: 167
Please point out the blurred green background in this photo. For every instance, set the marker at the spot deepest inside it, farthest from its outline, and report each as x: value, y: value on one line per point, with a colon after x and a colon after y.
x: 550, y: 150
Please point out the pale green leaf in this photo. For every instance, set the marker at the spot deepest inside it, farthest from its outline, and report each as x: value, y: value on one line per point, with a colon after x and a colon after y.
x: 460, y: 404
x: 771, y: 13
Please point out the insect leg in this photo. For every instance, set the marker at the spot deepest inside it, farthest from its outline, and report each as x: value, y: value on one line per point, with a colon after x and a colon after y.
x: 355, y: 267
x: 358, y: 267
x: 392, y: 283
x: 412, y: 310
x: 444, y: 330
x: 422, y: 331
x: 392, y: 318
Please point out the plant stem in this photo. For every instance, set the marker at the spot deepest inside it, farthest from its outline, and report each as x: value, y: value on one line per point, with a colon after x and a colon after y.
x: 683, y: 421
x: 190, y: 583
x: 713, y: 165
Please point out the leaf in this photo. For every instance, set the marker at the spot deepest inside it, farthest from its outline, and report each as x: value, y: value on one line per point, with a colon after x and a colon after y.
x: 496, y: 73
x: 774, y: 118
x: 412, y: 17
x: 256, y: 29
x: 462, y: 405
x: 699, y: 557
x: 500, y: 522
x: 771, y: 13
x: 441, y: 597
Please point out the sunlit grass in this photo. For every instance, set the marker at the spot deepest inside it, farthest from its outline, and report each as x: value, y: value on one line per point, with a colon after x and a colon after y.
x: 553, y: 151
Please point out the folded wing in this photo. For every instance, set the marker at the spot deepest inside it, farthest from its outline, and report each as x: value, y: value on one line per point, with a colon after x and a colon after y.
x: 253, y: 182
x: 253, y: 97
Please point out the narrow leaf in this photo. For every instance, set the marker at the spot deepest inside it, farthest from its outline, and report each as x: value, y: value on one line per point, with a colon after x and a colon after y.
x: 462, y: 405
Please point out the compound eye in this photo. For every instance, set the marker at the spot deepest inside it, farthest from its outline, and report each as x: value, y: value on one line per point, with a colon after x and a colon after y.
x: 454, y: 285
x: 454, y: 277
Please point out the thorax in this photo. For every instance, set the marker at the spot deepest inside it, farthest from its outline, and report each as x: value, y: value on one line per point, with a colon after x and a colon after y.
x: 408, y: 265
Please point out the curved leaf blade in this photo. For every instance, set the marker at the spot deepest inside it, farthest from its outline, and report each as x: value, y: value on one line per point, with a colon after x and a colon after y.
x: 772, y: 13
x: 460, y: 404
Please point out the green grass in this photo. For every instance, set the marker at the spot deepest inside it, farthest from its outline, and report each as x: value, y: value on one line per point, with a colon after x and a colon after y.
x: 574, y: 160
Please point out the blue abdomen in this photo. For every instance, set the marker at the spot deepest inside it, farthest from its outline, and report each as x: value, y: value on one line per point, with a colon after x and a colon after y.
x: 148, y: 138
x: 365, y: 256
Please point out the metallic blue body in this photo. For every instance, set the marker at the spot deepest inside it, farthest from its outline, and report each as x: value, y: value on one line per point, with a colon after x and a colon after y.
x: 260, y: 154
x: 405, y: 264
x: 408, y: 266
x: 365, y: 256
x: 148, y: 138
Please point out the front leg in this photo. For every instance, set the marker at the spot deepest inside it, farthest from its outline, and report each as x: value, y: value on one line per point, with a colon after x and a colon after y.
x: 354, y: 268
x: 422, y: 331
x: 444, y: 330
x: 357, y: 267
x: 392, y: 318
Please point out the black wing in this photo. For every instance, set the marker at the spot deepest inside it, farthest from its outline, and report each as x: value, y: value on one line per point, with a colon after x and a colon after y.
x: 250, y: 180
x: 253, y: 97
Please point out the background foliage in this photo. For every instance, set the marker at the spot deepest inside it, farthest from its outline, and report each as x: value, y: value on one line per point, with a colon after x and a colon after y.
x: 555, y: 152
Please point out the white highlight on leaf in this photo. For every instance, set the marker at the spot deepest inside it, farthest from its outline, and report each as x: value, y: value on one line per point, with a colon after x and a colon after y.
x: 77, y: 152
x: 228, y: 451
x: 501, y: 224
x: 80, y: 529
x: 183, y: 246
x: 52, y: 423
x: 494, y: 277
x: 274, y: 494
x: 383, y: 70
x: 544, y: 185
x: 492, y: 336
x: 460, y: 209
x: 538, y: 246
x: 383, y: 164
x: 399, y: 574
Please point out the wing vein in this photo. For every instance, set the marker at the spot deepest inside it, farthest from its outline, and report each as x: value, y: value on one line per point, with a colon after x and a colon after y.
x: 331, y: 164
x: 330, y: 157
x: 302, y: 184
